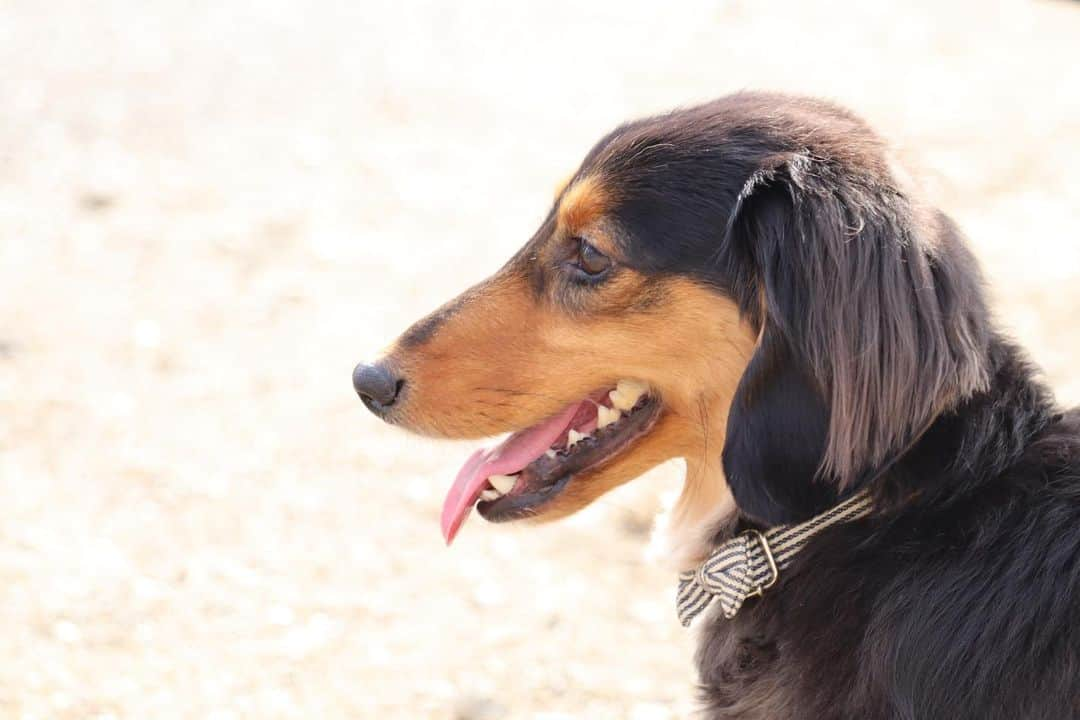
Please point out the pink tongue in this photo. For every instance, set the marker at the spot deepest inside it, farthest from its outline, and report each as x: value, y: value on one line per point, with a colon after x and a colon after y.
x: 510, y: 456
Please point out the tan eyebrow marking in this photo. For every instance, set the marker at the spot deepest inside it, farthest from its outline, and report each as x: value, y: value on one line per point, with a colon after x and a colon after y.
x: 582, y: 203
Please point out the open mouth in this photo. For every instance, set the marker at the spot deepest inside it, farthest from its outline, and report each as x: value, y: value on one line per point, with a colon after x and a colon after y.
x: 532, y: 466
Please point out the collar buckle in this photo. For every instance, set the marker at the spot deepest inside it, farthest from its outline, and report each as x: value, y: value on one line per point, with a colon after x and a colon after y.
x: 774, y: 572
x: 736, y: 565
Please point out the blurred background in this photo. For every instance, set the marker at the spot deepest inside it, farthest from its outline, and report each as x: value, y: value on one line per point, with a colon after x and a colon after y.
x: 210, y: 211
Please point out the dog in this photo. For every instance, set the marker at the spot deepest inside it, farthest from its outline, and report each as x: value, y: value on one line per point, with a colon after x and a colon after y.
x: 756, y: 286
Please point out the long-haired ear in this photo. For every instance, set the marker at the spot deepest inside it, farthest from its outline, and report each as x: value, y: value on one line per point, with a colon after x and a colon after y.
x: 873, y: 323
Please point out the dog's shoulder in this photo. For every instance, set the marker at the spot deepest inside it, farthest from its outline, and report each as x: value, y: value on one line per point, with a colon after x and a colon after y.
x: 964, y: 609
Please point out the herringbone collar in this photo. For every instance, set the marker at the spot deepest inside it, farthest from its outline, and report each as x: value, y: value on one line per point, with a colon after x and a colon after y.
x: 750, y: 563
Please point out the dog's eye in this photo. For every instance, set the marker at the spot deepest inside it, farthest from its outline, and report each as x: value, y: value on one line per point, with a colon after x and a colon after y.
x: 590, y: 260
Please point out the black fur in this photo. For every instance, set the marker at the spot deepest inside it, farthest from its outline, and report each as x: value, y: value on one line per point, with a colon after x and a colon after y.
x: 878, y: 368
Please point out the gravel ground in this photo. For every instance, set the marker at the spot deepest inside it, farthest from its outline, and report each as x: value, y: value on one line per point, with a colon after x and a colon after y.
x: 210, y: 211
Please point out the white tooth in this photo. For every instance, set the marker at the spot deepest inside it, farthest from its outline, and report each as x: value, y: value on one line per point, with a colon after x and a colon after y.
x: 502, y: 483
x: 550, y: 453
x: 573, y: 437
x: 490, y: 494
x: 605, y: 416
x: 626, y: 394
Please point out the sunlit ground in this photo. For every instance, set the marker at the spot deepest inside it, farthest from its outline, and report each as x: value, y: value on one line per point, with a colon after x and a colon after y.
x: 209, y: 213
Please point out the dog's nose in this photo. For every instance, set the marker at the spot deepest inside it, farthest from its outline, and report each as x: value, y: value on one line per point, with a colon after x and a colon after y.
x: 377, y: 386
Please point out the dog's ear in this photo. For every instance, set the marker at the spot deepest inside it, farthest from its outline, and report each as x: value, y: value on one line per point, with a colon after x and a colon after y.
x: 871, y: 325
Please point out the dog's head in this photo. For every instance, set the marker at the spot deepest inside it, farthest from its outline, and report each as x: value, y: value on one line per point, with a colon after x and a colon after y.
x: 744, y: 284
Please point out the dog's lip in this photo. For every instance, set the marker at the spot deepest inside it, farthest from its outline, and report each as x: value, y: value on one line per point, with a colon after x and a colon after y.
x: 562, y: 444
x: 512, y: 455
x: 546, y: 477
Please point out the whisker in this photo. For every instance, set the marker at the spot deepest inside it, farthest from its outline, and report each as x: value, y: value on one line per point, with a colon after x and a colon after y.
x: 517, y: 393
x: 703, y: 418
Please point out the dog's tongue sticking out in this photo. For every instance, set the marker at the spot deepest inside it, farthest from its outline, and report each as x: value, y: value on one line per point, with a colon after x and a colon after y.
x: 510, y: 456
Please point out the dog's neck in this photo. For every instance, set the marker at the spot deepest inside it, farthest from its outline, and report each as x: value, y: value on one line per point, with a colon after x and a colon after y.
x: 926, y: 470
x: 685, y: 532
x: 992, y: 432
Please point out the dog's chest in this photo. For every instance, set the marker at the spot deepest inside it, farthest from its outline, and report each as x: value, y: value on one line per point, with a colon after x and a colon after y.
x: 750, y: 668
x: 742, y: 673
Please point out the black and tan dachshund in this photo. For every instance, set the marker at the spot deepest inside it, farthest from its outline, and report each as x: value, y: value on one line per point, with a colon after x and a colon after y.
x: 754, y: 285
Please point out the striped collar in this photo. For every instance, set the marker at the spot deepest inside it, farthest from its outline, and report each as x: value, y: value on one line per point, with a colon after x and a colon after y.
x: 750, y: 563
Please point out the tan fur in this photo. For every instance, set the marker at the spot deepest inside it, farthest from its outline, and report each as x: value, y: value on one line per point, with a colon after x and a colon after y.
x: 685, y: 532
x: 503, y: 360
x: 505, y: 355
x: 582, y: 203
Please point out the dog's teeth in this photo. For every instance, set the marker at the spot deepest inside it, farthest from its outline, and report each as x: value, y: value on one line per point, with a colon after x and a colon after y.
x: 626, y: 394
x: 550, y: 453
x: 605, y: 416
x: 632, y: 390
x: 573, y: 437
x: 490, y: 494
x: 502, y: 483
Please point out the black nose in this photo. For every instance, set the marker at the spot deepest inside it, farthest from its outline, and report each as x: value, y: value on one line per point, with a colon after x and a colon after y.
x: 377, y: 386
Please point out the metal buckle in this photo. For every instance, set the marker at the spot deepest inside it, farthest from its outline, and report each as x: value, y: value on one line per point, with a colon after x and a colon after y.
x: 760, y: 590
